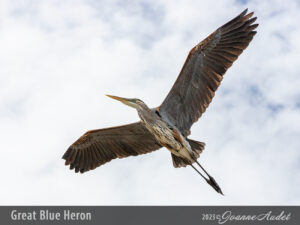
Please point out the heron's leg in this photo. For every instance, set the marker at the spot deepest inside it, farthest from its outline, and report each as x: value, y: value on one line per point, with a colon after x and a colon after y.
x: 211, y: 180
x: 202, y: 168
x: 199, y: 172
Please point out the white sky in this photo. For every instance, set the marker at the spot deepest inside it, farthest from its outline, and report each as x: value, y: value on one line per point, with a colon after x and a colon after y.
x: 58, y: 59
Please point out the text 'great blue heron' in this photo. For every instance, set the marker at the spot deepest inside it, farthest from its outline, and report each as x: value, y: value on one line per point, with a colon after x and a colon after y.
x: 169, y: 124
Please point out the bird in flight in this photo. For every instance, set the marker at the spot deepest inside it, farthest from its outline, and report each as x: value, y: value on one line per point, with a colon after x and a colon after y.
x: 169, y: 124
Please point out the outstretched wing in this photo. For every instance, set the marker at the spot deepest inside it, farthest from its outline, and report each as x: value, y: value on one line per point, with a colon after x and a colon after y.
x: 203, y: 71
x: 97, y: 147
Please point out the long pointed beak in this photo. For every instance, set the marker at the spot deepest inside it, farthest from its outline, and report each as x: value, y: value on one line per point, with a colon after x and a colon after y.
x: 126, y: 101
x: 118, y: 98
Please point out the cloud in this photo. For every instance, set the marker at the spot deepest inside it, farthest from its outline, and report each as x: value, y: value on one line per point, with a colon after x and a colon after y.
x: 58, y: 60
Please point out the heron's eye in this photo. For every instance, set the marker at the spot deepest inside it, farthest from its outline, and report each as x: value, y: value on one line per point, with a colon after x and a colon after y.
x: 138, y: 100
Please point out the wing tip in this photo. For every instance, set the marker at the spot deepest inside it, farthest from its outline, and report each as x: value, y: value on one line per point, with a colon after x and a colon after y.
x: 242, y: 17
x: 243, y: 13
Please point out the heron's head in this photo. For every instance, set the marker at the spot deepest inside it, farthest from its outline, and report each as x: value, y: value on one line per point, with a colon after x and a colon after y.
x: 132, y: 102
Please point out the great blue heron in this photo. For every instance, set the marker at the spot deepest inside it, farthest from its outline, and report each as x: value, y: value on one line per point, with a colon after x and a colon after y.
x: 169, y: 124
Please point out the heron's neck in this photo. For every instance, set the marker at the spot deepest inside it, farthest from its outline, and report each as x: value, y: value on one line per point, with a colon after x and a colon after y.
x: 145, y: 113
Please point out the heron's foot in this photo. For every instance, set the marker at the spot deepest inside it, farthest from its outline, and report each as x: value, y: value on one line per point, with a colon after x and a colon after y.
x: 212, y: 182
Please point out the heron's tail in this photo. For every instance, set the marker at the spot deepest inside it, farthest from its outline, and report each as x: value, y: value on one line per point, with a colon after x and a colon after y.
x: 197, y: 148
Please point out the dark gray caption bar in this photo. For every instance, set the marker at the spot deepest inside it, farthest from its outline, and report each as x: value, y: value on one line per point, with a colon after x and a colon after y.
x: 140, y: 215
